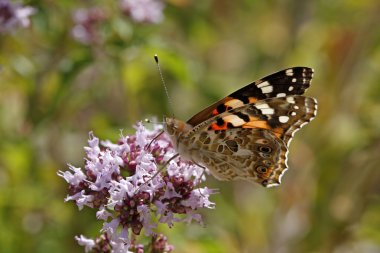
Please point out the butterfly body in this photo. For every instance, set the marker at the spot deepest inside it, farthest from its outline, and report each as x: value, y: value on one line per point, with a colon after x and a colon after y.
x: 246, y: 135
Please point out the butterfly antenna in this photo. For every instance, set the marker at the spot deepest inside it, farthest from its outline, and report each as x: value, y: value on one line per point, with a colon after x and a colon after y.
x: 164, y: 84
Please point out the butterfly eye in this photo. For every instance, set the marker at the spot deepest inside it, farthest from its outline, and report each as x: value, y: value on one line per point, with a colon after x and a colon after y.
x: 261, y: 169
x: 265, y: 149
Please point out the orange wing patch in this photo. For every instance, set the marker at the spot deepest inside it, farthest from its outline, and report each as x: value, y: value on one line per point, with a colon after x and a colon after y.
x: 263, y: 124
x: 255, y: 122
x: 252, y: 100
x: 278, y: 132
x: 227, y: 105
x: 215, y: 126
x: 215, y: 112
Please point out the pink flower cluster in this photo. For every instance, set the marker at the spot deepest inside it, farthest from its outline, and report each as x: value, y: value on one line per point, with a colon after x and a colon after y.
x: 86, y: 24
x: 13, y: 15
x: 143, y: 11
x: 125, y: 182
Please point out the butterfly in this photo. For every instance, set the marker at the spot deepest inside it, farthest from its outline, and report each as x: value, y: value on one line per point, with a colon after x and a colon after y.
x: 246, y: 135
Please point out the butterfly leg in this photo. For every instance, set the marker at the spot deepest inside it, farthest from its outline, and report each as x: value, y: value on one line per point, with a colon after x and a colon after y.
x: 203, y: 167
x: 203, y: 173
x: 155, y: 138
x: 200, y: 178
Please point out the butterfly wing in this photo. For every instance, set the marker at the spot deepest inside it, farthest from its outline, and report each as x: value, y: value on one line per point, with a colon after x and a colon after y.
x: 281, y: 115
x: 241, y: 153
x: 291, y: 81
x: 257, y: 134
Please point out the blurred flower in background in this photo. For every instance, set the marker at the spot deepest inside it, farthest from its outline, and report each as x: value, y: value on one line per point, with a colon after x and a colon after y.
x: 124, y: 182
x: 143, y: 11
x: 14, y: 15
x: 86, y: 24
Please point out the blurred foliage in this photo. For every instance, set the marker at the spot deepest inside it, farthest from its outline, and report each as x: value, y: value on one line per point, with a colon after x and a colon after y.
x: 54, y: 90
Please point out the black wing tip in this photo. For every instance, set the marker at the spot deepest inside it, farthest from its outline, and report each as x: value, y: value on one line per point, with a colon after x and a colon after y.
x: 298, y: 71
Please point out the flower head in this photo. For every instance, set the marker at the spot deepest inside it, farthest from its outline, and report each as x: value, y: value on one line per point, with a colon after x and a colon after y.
x: 126, y: 182
x: 13, y: 15
x: 143, y: 11
x: 86, y: 23
x: 160, y: 244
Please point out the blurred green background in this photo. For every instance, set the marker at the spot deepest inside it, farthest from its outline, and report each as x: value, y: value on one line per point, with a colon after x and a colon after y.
x: 55, y: 89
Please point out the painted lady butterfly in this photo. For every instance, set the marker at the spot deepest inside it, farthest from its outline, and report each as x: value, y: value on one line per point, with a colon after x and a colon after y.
x: 246, y: 135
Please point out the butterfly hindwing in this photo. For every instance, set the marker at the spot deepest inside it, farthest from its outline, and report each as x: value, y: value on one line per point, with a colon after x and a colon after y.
x: 291, y: 81
x: 243, y: 153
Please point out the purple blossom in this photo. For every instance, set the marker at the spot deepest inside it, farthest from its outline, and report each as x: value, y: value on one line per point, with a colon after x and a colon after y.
x: 13, y: 15
x: 124, y: 183
x: 160, y: 244
x: 87, y: 243
x: 143, y: 11
x: 86, y: 24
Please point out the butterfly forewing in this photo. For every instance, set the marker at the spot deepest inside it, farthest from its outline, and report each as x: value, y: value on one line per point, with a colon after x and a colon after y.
x: 281, y: 115
x: 291, y: 81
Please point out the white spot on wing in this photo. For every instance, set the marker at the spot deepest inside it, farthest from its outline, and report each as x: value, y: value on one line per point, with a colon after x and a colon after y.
x: 263, y: 84
x: 234, y: 120
x: 279, y: 95
x: 267, y: 111
x: 283, y: 119
x: 289, y: 72
x: 267, y: 89
x: 294, y: 80
x: 290, y: 88
x: 290, y: 100
x: 262, y: 106
x: 293, y: 114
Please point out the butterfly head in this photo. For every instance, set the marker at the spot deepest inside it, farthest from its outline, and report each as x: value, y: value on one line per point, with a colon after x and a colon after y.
x: 176, y: 129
